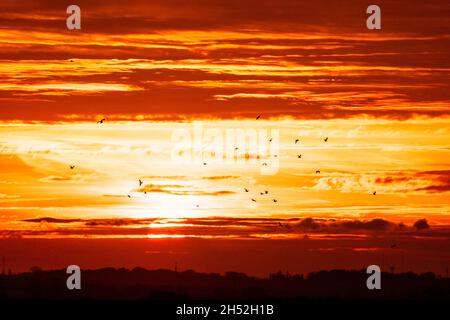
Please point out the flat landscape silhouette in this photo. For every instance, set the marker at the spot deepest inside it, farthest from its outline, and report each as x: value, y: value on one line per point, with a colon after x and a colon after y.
x: 168, y: 285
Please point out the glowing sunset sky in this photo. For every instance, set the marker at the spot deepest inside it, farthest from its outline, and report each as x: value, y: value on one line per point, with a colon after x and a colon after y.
x: 311, y: 69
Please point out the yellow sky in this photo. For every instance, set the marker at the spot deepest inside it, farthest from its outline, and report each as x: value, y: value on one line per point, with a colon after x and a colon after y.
x: 405, y: 162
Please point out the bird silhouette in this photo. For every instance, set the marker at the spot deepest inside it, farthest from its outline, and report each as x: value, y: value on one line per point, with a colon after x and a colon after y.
x: 280, y: 224
x: 326, y: 139
x: 374, y: 193
x: 140, y: 183
x: 261, y: 193
x: 258, y: 117
x: 204, y: 163
x: 317, y: 171
x: 264, y: 164
x: 299, y: 156
x: 275, y: 200
x: 71, y: 60
x: 266, y: 192
x: 145, y: 192
x: 72, y: 167
x: 297, y: 140
x: 101, y: 121
x: 253, y: 200
x: 246, y: 190
x: 128, y: 196
x: 270, y: 140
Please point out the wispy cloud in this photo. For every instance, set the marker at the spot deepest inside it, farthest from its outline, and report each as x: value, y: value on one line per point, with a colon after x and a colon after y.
x: 180, y: 190
x: 192, y: 64
x: 388, y: 182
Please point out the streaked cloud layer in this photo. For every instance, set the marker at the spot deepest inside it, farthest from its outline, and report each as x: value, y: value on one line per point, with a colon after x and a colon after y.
x: 177, y: 60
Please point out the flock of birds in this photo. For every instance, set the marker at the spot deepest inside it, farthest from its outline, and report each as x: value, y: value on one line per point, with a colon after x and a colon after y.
x: 299, y: 156
x: 261, y: 193
x: 265, y: 192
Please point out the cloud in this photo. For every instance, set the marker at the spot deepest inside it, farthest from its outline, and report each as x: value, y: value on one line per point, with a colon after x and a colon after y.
x: 421, y: 224
x: 190, y: 178
x: 52, y: 220
x: 181, y: 190
x: 166, y: 177
x: 437, y: 181
x: 66, y: 88
x: 220, y: 178
x: 318, y: 225
x: 118, y: 222
x: 227, y: 226
x: 344, y: 182
x: 75, y: 177
x: 8, y: 196
x: 56, y: 179
x: 284, y: 15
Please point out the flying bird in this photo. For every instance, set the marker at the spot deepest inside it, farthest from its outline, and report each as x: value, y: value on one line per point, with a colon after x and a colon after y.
x: 246, y: 190
x: 204, y: 163
x: 326, y: 139
x: 270, y: 140
x: 128, y: 196
x: 101, y: 121
x: 299, y: 156
x: 253, y: 200
x: 297, y: 140
x: 374, y: 193
x: 261, y: 193
x: 266, y: 192
x: 317, y: 171
x: 275, y: 200
x: 72, y: 167
x: 259, y: 116
x: 140, y: 183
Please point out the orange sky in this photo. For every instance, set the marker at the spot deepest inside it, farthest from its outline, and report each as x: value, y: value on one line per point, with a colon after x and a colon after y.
x: 154, y: 70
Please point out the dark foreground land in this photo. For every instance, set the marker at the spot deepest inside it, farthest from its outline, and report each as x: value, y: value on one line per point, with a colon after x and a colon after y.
x: 167, y: 285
